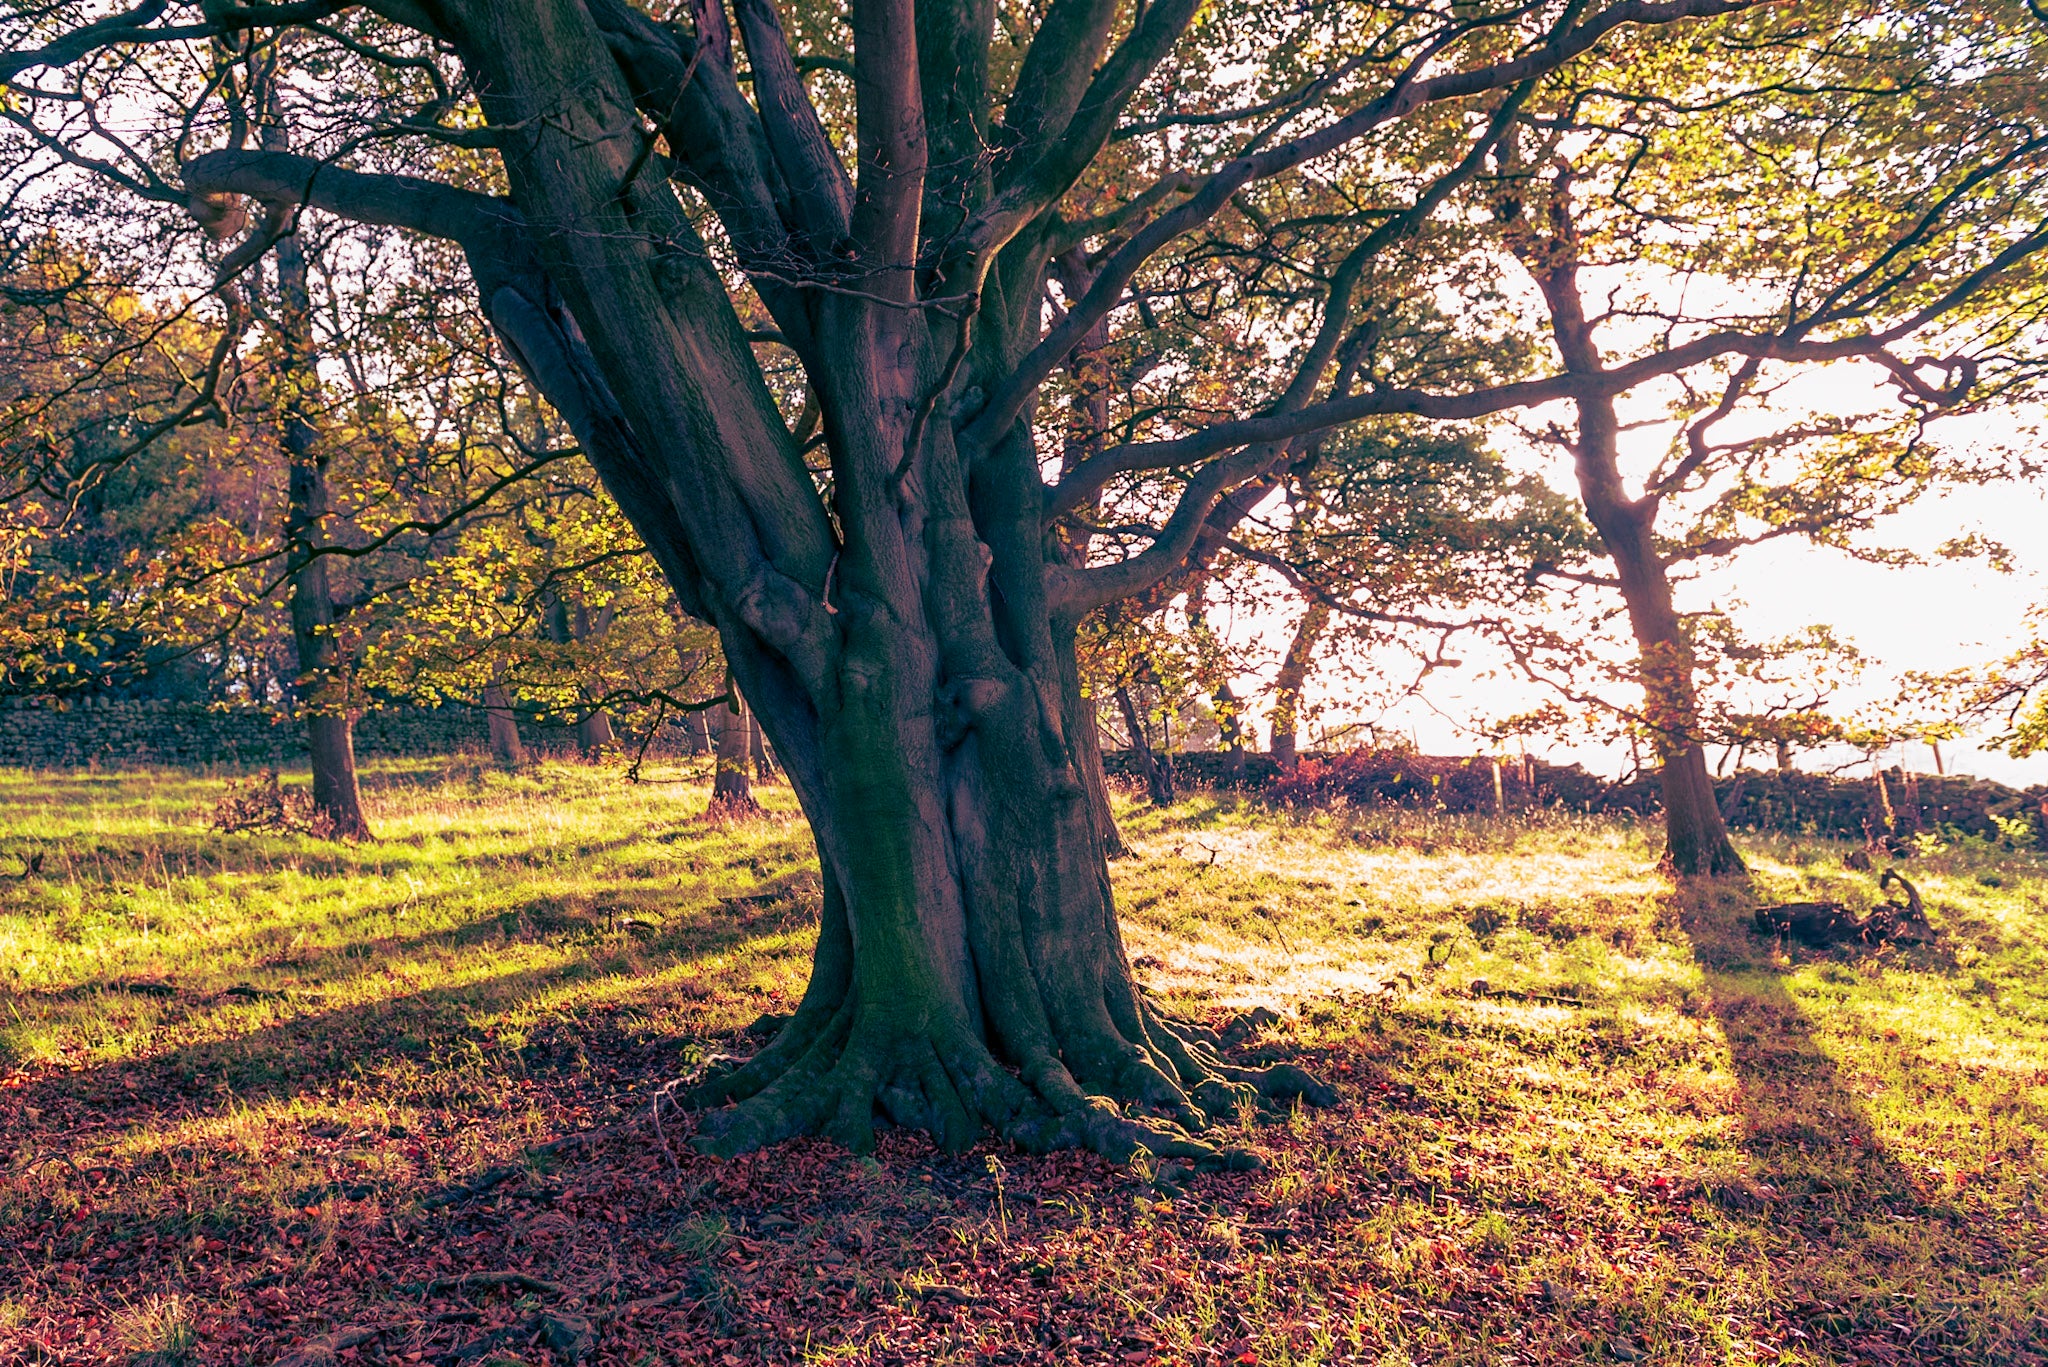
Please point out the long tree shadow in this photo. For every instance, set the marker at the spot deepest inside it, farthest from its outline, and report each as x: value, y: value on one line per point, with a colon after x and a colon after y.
x: 592, y: 916
x: 432, y: 1030
x: 1859, y: 1244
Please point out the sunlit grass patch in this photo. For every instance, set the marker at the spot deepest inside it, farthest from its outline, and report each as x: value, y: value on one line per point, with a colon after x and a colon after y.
x: 1585, y: 1118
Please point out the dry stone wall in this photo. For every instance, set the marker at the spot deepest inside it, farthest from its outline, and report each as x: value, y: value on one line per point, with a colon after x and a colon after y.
x: 1812, y: 804
x: 43, y: 733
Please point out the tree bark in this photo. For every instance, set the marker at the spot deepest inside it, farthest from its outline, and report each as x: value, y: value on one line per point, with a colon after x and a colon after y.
x: 323, y: 692
x: 506, y: 747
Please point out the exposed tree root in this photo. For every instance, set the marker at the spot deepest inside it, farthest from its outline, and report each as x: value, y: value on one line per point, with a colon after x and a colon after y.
x: 830, y: 1070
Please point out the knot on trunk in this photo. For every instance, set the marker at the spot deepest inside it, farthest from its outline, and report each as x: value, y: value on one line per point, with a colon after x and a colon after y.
x: 965, y: 702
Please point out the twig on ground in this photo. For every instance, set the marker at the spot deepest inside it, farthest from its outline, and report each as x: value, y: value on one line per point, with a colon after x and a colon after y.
x: 667, y: 1093
x: 457, y: 1193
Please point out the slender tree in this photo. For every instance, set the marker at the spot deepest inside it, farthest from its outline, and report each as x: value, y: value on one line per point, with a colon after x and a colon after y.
x: 325, y: 698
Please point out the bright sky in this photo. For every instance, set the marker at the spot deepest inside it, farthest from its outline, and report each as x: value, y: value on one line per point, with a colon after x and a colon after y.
x: 1936, y: 617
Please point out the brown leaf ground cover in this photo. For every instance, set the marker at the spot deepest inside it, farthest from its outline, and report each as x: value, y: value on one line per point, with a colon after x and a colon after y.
x: 268, y: 1098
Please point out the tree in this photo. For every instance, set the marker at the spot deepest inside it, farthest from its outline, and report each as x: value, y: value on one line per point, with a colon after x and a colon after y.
x: 1397, y: 534
x: 492, y: 618
x: 661, y: 233
x: 1601, y: 182
x: 732, y: 792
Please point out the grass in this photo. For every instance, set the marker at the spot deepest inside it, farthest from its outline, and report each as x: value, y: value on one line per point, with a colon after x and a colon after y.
x: 248, y: 1082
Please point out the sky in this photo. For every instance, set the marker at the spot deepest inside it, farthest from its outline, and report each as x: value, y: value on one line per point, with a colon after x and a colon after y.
x: 1934, y: 617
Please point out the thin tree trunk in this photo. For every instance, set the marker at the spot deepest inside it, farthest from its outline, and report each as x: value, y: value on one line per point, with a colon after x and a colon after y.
x: 757, y: 750
x: 1152, y: 767
x: 574, y: 626
x: 697, y: 728
x: 1231, y: 719
x: 1909, y: 800
x: 1086, y: 736
x: 594, y: 733
x: 1882, y: 815
x: 506, y: 747
x: 323, y: 681
x: 1288, y: 683
x: 1695, y: 837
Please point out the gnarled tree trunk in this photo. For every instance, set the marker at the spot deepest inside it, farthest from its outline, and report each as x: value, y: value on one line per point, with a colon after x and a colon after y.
x: 910, y: 648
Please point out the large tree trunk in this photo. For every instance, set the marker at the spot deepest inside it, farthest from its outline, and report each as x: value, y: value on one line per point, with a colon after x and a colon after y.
x: 1696, y: 839
x: 1288, y: 683
x: 323, y: 693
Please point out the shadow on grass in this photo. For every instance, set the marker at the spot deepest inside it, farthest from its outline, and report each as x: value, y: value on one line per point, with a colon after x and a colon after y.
x: 1861, y: 1249
x: 433, y: 1029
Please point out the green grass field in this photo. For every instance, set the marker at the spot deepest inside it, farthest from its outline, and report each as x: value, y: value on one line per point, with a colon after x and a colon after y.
x: 248, y: 1084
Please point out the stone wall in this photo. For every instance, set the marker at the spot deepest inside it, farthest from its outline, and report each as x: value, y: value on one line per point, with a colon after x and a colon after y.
x: 1814, y: 804
x: 43, y: 733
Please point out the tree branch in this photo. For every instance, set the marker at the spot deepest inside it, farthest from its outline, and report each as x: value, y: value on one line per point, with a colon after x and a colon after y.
x: 1408, y: 92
